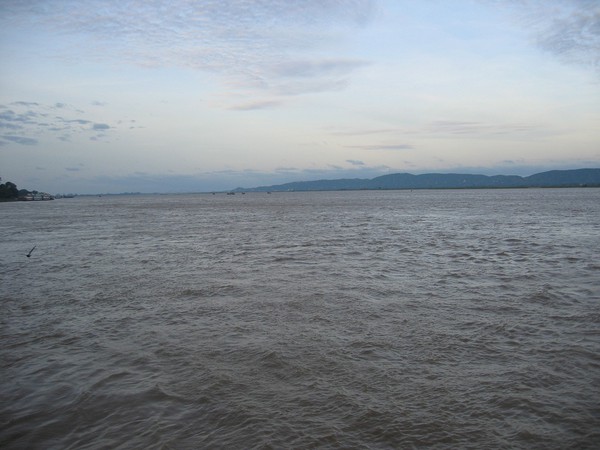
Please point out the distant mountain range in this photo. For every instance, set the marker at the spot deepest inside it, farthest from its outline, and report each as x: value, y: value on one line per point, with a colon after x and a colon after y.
x: 552, y: 178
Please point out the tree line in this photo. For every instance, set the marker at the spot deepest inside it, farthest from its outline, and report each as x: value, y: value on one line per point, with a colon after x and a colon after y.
x: 9, y: 191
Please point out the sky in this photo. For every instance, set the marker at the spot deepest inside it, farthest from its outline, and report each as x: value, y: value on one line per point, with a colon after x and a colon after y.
x: 202, y: 95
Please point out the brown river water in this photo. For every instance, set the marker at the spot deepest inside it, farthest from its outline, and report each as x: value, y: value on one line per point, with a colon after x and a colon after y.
x: 367, y: 320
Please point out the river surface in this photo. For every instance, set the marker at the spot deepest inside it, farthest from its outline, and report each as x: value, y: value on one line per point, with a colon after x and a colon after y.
x: 367, y: 320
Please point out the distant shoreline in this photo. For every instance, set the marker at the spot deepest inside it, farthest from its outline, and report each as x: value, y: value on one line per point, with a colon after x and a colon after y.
x: 554, y: 179
x: 407, y: 181
x: 250, y: 191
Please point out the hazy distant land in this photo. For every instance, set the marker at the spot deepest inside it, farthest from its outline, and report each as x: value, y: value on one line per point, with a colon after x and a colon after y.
x: 553, y: 178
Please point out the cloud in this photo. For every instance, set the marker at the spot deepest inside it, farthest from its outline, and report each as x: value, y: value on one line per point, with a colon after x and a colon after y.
x: 476, y: 129
x: 575, y: 38
x: 362, y: 132
x: 567, y: 29
x: 79, y: 121
x: 382, y: 147
x: 21, y: 103
x: 317, y: 68
x: 32, y: 120
x: 252, y: 106
x: 455, y: 127
x: 20, y: 139
x: 10, y: 126
x: 297, y: 77
x: 256, y: 43
x: 355, y: 162
x: 308, y: 86
x: 472, y: 129
x: 18, y: 120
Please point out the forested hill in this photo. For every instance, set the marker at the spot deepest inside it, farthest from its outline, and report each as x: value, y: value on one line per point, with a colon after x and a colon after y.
x: 553, y: 178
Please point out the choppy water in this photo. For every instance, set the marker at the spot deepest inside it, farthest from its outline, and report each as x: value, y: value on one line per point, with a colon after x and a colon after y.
x: 425, y: 319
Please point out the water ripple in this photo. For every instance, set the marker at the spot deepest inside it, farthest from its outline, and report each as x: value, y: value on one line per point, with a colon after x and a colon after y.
x: 430, y: 319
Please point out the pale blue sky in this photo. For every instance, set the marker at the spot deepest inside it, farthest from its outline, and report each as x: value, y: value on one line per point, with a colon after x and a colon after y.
x: 182, y: 95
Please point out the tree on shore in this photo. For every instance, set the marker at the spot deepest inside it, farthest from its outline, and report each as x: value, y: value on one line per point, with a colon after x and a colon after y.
x: 8, y: 191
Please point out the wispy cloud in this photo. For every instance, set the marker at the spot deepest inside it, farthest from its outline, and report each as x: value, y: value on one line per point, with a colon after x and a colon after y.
x: 575, y: 37
x: 9, y: 119
x: 252, y: 106
x: 28, y: 104
x: 476, y: 128
x: 20, y: 139
x: 567, y: 29
x: 454, y: 129
x: 313, y: 68
x: 355, y: 162
x: 317, y: 75
x: 26, y: 122
x: 255, y: 43
x: 309, y: 86
x: 382, y: 147
x: 361, y: 131
x: 296, y: 77
x: 77, y: 121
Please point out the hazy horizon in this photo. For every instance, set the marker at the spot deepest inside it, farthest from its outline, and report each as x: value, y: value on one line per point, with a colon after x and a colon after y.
x: 205, y: 96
